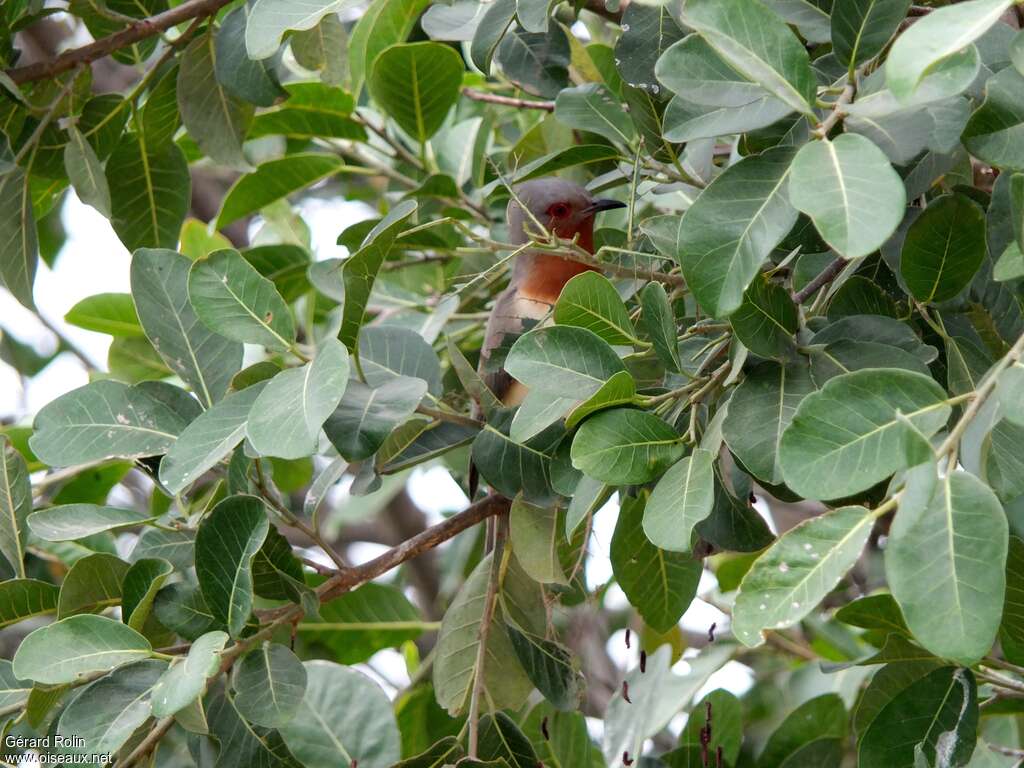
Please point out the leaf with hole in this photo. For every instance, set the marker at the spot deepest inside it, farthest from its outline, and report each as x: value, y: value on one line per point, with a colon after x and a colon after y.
x: 789, y: 580
x: 231, y: 298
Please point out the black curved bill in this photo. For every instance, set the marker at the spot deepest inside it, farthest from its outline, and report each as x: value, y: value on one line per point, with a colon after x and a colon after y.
x: 603, y: 205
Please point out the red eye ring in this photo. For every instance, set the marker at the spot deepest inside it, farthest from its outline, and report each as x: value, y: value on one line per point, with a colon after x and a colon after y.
x: 559, y: 210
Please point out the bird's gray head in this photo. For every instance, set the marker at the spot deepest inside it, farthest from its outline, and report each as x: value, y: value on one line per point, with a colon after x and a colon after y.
x: 565, y: 208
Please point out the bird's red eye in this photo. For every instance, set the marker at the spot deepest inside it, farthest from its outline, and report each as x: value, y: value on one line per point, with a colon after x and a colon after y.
x: 559, y: 210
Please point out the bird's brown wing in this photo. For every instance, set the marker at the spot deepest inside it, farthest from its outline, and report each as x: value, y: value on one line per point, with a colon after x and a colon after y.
x: 512, y: 315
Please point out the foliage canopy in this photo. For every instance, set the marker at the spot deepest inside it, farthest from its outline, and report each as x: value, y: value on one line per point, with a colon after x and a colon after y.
x: 812, y: 297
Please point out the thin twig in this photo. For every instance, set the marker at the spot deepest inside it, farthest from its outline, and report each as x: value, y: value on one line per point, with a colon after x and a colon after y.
x: 980, y: 396
x: 826, y: 276
x: 837, y: 112
x: 154, y: 25
x: 149, y: 743
x: 490, y: 601
x: 508, y: 101
x: 454, y: 418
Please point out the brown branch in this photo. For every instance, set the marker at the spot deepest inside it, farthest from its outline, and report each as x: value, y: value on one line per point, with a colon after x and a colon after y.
x: 838, y: 110
x: 826, y: 276
x: 149, y: 743
x: 105, y: 46
x: 508, y: 101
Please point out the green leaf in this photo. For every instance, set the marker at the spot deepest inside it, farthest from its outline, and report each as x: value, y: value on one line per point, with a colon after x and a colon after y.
x: 416, y: 84
x: 563, y: 360
x: 13, y: 692
x: 683, y: 497
x: 181, y: 608
x: 734, y: 525
x: 214, y: 118
x: 759, y: 411
x: 323, y: 49
x: 22, y: 599
x: 852, y: 433
x: 766, y: 321
x: 361, y: 622
x: 934, y: 721
x: 647, y: 32
x: 208, y: 439
x: 728, y: 232
x: 789, y: 580
x: 329, y: 731
x: 230, y: 297
x: 1011, y: 629
x: 501, y: 742
x: 384, y: 23
x: 241, y: 744
x: 18, y: 240
x: 844, y: 356
x: 757, y: 43
x: 823, y: 718
x: 173, y: 546
x: 185, y: 680
x: 75, y: 646
x: 994, y: 130
x: 455, y: 664
x: 313, y: 110
x: 592, y: 107
x: 539, y: 62
x: 659, y: 584
x: 366, y: 416
x: 85, y: 172
x: 107, y: 419
x: 511, y: 467
x: 203, y: 359
x: 550, y: 666
x: 936, y: 37
x: 228, y: 538
x: 944, y: 248
x: 269, y: 684
x: 274, y: 180
x: 92, y: 584
x: 660, y: 323
x: 490, y: 31
x: 693, y: 70
x: 685, y: 121
x: 107, y: 712
x: 536, y: 535
x: 67, y: 522
x: 850, y: 191
x: 590, y: 301
x: 111, y: 313
x: 727, y: 724
x: 270, y: 19
x: 861, y: 28
x: 150, y: 190
x: 389, y: 352
x: 359, y: 272
x: 15, y: 505
x: 247, y: 79
x: 625, y: 446
x: 945, y: 564
x: 286, y: 417
x: 141, y: 583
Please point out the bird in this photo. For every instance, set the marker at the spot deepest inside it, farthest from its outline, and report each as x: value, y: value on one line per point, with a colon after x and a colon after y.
x: 567, y: 210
